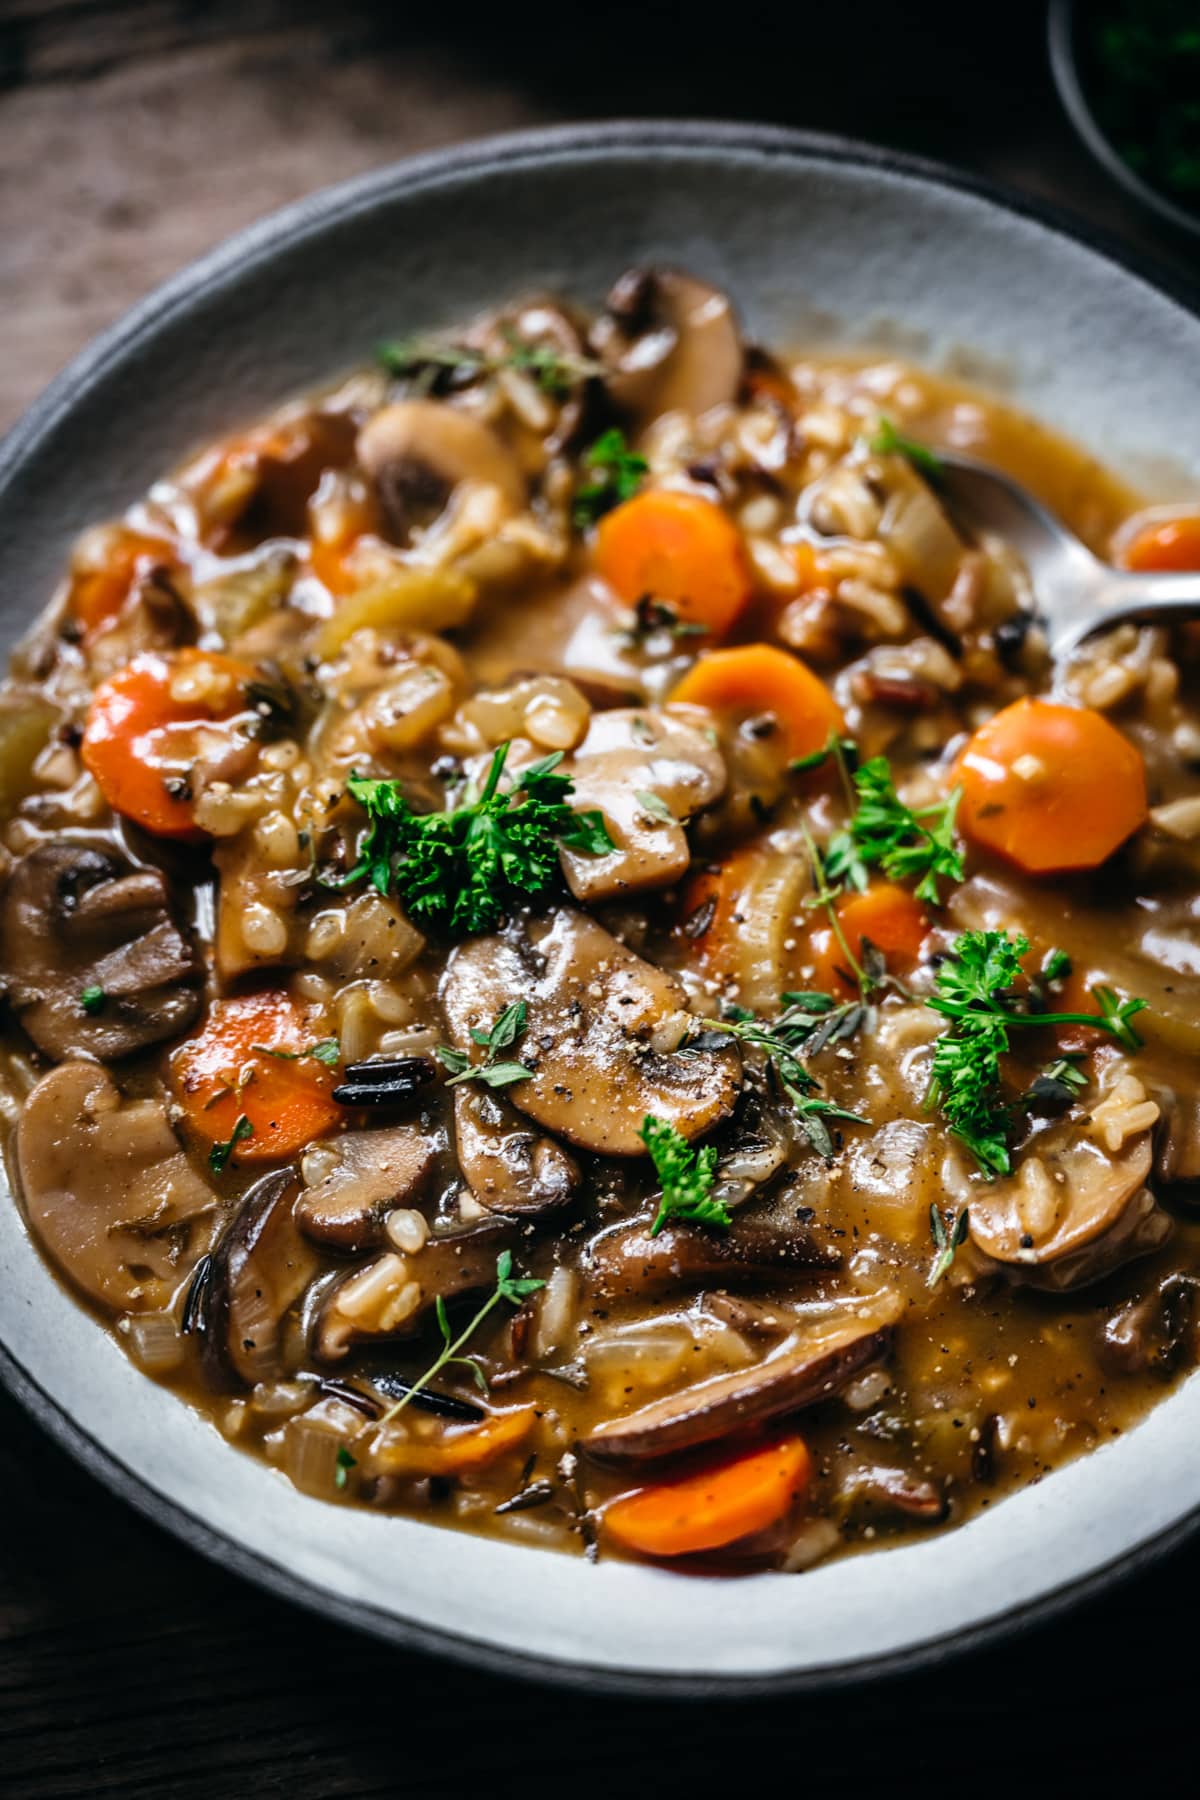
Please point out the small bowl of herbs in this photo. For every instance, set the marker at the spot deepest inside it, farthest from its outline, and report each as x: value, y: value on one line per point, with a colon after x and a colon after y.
x: 1128, y: 73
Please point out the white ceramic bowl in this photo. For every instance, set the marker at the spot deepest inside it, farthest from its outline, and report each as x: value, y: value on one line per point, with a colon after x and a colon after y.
x: 819, y: 241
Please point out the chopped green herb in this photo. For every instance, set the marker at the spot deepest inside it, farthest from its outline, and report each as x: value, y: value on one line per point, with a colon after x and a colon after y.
x: 904, y: 843
x: 887, y: 441
x: 834, y: 746
x: 1056, y: 965
x: 686, y: 1176
x: 494, y: 1074
x: 617, y: 472
x: 555, y: 371
x: 328, y: 1051
x: 92, y: 999
x: 947, y: 1243
x: 655, y: 805
x: 516, y: 1289
x: 220, y: 1154
x: 345, y: 1462
x: 1057, y: 1085
x: 457, y: 870
x: 808, y: 1024
x: 651, y: 616
x: 975, y: 991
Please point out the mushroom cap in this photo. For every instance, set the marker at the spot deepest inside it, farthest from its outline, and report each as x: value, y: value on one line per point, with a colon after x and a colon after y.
x: 77, y: 916
x: 601, y: 1035
x: 259, y: 1269
x: 108, y: 1192
x: 807, y: 1372
x: 1070, y: 1214
x: 508, y: 1167
x: 627, y: 755
x: 368, y: 1173
x: 675, y: 348
x: 416, y: 452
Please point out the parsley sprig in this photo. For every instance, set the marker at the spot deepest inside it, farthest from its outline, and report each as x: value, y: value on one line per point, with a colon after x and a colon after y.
x: 555, y: 371
x: 616, y: 472
x: 904, y: 843
x: 686, y: 1176
x: 976, y: 990
x: 491, y: 1072
x: 946, y: 1243
x: 808, y: 1024
x: 515, y: 1289
x: 456, y: 871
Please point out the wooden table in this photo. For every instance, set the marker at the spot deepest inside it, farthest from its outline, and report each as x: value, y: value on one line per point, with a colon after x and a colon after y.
x: 133, y: 137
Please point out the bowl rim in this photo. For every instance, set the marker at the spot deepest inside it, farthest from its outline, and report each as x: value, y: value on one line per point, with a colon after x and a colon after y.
x: 1062, y: 29
x: 252, y: 247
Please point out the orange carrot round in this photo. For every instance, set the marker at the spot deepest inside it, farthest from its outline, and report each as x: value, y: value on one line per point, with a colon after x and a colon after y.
x: 136, y: 739
x: 457, y: 1451
x: 103, y: 570
x: 1163, y: 544
x: 227, y: 1072
x: 754, y: 680
x: 678, y: 548
x: 1052, y: 788
x: 706, y: 1511
x: 888, y: 917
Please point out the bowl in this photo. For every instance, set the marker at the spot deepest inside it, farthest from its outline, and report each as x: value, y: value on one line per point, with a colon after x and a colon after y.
x: 1069, y: 62
x: 822, y: 242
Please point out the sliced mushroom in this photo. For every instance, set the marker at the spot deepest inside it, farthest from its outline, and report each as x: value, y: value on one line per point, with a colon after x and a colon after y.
x: 764, y: 1245
x: 1177, y: 1143
x: 416, y: 452
x: 810, y: 1371
x: 1070, y: 1214
x: 647, y: 773
x: 670, y: 343
x: 109, y: 1194
x: 601, y: 1034
x: 359, y: 1178
x: 508, y: 1167
x: 258, y: 1271
x: 77, y: 918
x: 393, y: 1296
x: 1153, y: 1335
x: 880, y: 1490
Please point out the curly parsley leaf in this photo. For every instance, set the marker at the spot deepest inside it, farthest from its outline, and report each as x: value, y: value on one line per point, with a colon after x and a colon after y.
x: 491, y: 1072
x: 457, y: 870
x: 686, y: 1176
x: 885, y: 833
x: 220, y: 1154
x: 976, y: 990
x: 92, y: 999
x: 616, y: 475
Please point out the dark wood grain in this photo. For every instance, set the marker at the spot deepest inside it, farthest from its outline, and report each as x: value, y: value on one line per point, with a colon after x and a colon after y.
x: 132, y: 137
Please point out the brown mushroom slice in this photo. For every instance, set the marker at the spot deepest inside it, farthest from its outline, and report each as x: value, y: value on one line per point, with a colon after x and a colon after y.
x: 109, y: 1194
x: 359, y: 1178
x: 880, y: 1490
x: 78, y: 918
x: 508, y: 1167
x: 416, y: 452
x: 670, y: 343
x: 1156, y: 1334
x: 258, y: 1271
x: 601, y: 1034
x: 647, y: 773
x: 760, y: 1248
x: 392, y: 1296
x: 1070, y: 1214
x: 812, y: 1370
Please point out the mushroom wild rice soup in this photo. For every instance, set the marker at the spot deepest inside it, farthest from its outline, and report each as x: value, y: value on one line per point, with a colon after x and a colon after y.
x: 571, y: 968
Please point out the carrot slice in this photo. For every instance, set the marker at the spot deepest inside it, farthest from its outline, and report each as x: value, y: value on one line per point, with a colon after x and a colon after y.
x: 103, y: 570
x: 458, y: 1451
x: 137, y: 736
x: 1164, y: 544
x: 888, y: 917
x: 226, y: 1073
x: 716, y: 1507
x: 1052, y: 788
x: 754, y: 680
x: 678, y: 548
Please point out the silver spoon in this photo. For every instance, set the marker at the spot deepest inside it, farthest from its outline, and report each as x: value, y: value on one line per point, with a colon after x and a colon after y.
x: 1076, y: 594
